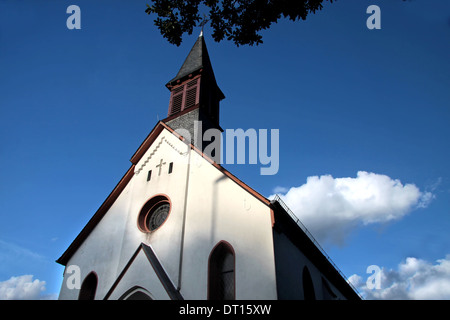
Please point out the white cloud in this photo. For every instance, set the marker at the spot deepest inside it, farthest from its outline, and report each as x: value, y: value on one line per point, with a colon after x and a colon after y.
x: 414, y: 279
x: 23, y: 288
x: 356, y: 280
x: 331, y: 207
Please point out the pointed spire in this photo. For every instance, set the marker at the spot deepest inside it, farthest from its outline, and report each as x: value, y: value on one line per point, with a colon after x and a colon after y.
x: 197, y: 61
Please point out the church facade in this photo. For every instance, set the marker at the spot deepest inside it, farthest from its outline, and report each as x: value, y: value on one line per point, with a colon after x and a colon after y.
x: 178, y: 225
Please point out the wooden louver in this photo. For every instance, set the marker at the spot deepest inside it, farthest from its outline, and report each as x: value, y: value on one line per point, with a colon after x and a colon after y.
x: 184, y: 96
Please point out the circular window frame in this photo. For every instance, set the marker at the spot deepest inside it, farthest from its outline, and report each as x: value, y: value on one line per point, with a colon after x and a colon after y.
x: 148, y: 208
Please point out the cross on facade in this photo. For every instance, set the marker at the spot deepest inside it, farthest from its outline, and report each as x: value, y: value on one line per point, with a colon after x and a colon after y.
x: 161, y: 163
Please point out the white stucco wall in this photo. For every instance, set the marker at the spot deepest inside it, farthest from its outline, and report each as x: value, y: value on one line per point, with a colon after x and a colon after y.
x: 216, y: 209
x: 219, y: 209
x: 100, y: 252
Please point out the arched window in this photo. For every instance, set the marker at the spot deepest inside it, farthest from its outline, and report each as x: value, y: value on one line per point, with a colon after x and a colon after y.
x: 136, y: 293
x: 88, y: 287
x: 221, y: 279
x: 308, y: 287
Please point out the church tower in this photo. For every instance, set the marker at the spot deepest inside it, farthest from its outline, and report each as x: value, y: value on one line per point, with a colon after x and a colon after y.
x: 195, y: 97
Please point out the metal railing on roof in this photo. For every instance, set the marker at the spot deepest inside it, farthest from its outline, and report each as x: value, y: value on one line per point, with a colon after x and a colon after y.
x: 311, y: 237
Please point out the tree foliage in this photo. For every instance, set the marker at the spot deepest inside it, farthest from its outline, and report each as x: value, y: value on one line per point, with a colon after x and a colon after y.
x: 235, y: 20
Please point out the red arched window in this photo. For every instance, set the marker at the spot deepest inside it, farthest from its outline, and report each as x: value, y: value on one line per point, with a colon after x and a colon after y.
x: 221, y: 272
x: 88, y: 287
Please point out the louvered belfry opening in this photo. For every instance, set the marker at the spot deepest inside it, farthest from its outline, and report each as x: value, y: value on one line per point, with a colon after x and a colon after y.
x: 191, y: 93
x: 184, y: 96
x: 177, y: 100
x: 195, y: 85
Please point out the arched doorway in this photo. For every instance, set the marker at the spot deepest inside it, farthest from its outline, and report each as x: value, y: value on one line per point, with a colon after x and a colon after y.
x: 136, y: 293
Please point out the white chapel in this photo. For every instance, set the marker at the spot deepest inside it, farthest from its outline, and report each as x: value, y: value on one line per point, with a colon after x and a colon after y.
x: 179, y: 226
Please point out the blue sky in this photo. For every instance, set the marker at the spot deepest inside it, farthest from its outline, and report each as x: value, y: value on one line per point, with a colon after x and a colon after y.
x: 76, y: 104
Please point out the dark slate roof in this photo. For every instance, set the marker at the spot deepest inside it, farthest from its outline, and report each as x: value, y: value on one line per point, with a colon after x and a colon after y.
x: 197, y: 59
